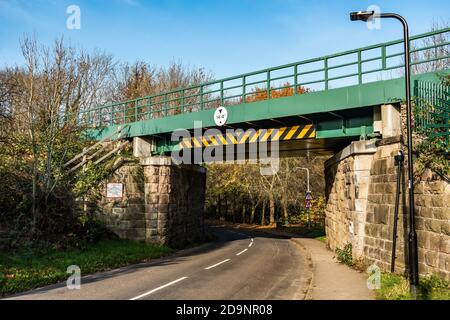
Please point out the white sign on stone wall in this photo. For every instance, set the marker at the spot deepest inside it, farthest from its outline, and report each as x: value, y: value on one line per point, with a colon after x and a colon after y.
x: 114, y: 190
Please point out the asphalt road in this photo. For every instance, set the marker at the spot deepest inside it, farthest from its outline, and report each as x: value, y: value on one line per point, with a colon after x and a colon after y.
x: 238, y: 265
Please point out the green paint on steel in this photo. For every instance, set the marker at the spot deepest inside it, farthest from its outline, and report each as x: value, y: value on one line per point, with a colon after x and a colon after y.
x: 164, y: 147
x: 325, y: 129
x: 370, y: 94
x: 432, y: 111
x: 326, y: 70
x: 165, y: 112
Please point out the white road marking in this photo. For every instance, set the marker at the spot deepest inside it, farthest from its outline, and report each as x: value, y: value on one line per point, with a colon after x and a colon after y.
x: 238, y: 254
x: 251, y: 243
x: 159, y: 288
x: 251, y: 239
x: 217, y: 264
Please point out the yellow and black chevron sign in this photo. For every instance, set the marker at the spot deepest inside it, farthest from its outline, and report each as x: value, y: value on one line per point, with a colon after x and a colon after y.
x: 250, y: 136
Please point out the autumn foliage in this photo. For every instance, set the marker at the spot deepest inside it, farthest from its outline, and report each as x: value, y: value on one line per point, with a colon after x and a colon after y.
x: 259, y: 94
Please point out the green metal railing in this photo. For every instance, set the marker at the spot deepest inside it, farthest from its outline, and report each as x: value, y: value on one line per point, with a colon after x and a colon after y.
x: 323, y: 73
x: 432, y: 111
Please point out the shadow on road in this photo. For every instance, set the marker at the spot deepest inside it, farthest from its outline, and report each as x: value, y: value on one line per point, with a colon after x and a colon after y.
x: 224, y: 235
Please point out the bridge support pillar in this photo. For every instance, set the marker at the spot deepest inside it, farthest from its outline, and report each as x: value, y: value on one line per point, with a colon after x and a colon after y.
x: 160, y: 202
x: 361, y: 186
x: 174, y: 201
x: 142, y: 147
x: 391, y: 120
x: 347, y: 185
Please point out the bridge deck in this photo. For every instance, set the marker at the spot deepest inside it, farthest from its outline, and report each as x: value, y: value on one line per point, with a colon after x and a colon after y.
x: 324, y: 91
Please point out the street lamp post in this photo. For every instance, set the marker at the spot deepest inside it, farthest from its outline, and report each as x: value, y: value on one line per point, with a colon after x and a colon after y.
x: 308, y: 191
x: 307, y: 178
x: 412, y: 238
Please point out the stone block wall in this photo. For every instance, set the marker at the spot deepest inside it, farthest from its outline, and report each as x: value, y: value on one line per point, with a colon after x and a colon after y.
x: 380, y: 209
x: 125, y: 216
x: 161, y: 202
x: 373, y: 232
x: 432, y: 206
x: 174, y: 201
x: 432, y: 202
x: 347, y: 182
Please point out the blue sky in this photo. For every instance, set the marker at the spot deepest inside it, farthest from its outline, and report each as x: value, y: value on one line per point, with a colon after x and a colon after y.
x: 226, y: 37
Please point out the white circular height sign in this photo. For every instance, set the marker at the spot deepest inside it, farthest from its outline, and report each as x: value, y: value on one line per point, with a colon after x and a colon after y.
x: 220, y: 116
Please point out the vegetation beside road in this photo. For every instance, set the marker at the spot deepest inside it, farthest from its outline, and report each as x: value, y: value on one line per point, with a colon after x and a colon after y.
x: 322, y: 238
x: 42, y: 201
x: 27, y: 269
x: 48, y: 218
x: 315, y: 232
x: 396, y: 287
x: 241, y: 194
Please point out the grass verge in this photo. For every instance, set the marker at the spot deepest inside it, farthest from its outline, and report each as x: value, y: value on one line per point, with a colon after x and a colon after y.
x: 303, y: 231
x: 322, y: 239
x: 29, y: 269
x: 396, y: 287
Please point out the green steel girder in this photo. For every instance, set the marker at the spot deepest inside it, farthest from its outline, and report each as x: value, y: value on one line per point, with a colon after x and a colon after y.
x: 325, y: 68
x: 329, y: 128
x: 357, y: 96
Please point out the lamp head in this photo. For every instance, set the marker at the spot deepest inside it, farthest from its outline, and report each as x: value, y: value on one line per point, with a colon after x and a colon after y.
x: 361, y: 15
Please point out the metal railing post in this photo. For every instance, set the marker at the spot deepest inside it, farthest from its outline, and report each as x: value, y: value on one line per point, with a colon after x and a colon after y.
x: 165, y: 105
x: 359, y: 67
x: 446, y: 92
x: 149, y: 108
x: 182, y: 101
x: 89, y: 117
x: 201, y: 97
x: 136, y: 110
x: 417, y: 105
x: 244, y: 94
x: 221, y: 93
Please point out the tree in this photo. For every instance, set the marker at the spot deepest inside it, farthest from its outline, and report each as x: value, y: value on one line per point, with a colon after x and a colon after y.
x: 268, y: 183
x: 43, y: 101
x: 259, y: 94
x: 434, y: 56
x: 142, y: 80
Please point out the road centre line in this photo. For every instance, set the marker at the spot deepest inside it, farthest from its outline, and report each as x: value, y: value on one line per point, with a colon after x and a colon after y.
x: 238, y: 254
x: 217, y: 264
x: 159, y: 288
x: 183, y: 278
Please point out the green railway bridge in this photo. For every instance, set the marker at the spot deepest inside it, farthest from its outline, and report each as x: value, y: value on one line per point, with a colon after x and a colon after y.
x: 346, y: 105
